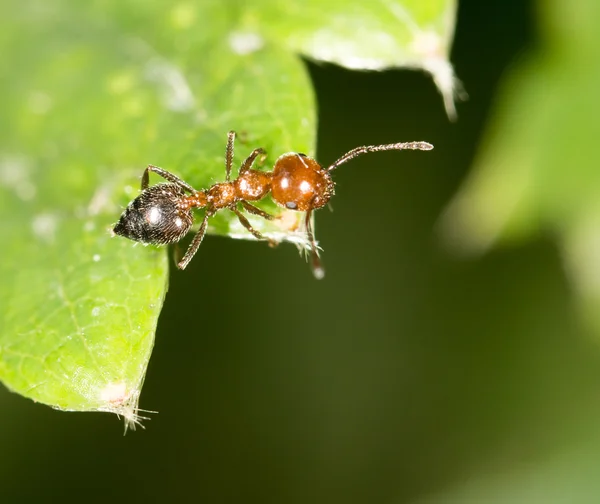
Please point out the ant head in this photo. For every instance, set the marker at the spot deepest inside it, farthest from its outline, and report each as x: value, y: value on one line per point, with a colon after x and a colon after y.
x: 156, y: 216
x: 300, y: 183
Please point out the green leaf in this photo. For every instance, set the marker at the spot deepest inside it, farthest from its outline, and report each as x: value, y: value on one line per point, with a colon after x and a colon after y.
x: 91, y: 93
x: 368, y: 35
x: 538, y: 169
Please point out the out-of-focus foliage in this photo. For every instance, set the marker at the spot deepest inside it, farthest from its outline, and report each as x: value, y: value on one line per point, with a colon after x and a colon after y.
x: 539, y: 166
x: 408, y: 375
x: 91, y: 93
x: 570, y: 477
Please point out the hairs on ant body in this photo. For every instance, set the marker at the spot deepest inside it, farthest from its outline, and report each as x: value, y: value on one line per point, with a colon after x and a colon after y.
x: 162, y: 214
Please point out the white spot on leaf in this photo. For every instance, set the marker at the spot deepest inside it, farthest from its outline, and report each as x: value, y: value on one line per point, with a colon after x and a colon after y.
x: 175, y: 90
x: 119, y: 399
x: 101, y: 200
x: 15, y: 175
x: 44, y: 226
x: 245, y: 42
x: 114, y: 392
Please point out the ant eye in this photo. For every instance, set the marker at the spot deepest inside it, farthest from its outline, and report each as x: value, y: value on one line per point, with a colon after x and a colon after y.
x: 156, y: 216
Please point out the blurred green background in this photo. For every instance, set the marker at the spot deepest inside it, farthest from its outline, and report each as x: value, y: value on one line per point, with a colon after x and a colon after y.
x: 407, y: 375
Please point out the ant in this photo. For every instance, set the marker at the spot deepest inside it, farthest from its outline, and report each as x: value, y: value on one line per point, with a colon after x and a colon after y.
x: 162, y: 214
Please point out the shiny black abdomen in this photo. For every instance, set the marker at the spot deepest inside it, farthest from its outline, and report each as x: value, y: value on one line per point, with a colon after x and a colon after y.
x: 156, y: 216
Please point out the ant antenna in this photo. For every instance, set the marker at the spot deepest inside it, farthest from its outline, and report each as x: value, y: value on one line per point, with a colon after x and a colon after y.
x: 359, y: 151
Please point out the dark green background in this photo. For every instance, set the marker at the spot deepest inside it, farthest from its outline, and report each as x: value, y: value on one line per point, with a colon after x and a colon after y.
x: 407, y: 370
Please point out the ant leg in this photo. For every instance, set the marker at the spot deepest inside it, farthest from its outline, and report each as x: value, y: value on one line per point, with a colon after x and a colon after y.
x: 166, y: 175
x: 193, y: 248
x: 257, y: 234
x: 256, y: 211
x: 229, y: 155
x: 316, y: 264
x: 247, y: 164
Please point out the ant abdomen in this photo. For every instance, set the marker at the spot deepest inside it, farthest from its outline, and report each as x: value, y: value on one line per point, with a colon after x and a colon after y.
x: 156, y: 216
x: 300, y: 183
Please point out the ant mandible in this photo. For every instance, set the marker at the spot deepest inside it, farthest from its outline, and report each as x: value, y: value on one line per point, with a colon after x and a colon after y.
x: 162, y: 214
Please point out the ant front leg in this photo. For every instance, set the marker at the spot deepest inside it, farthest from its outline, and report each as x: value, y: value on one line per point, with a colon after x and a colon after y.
x: 316, y: 264
x: 256, y: 211
x: 246, y: 223
x: 166, y: 175
x: 193, y: 248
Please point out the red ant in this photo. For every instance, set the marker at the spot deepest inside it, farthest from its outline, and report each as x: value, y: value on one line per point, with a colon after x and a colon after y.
x: 162, y: 214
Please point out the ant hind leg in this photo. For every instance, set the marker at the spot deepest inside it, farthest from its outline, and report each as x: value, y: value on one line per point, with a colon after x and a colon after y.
x: 167, y: 176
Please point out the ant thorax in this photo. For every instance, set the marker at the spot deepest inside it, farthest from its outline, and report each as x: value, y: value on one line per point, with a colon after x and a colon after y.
x: 253, y: 185
x: 300, y: 183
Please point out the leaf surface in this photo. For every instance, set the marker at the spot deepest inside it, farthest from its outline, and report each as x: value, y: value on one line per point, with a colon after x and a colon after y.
x: 91, y: 93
